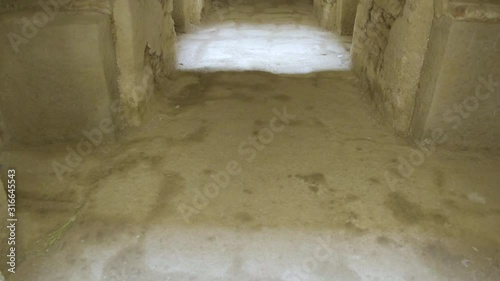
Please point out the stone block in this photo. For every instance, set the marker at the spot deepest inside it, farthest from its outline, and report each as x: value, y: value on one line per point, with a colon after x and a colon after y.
x: 58, y: 78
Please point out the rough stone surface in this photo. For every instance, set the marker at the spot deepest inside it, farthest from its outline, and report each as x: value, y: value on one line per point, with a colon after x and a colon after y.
x: 4, y: 136
x: 336, y: 15
x: 389, y: 47
x: 102, y: 6
x: 471, y: 10
x: 54, y: 89
x: 326, y: 11
x: 459, y: 97
x: 187, y: 13
x: 145, y: 51
x: 346, y: 18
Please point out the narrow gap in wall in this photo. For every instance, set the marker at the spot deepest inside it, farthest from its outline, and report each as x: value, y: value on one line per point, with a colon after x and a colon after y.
x: 271, y: 36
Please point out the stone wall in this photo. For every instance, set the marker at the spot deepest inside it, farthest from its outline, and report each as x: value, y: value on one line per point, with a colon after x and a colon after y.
x: 389, y: 47
x: 427, y: 65
x: 145, y: 50
x: 346, y: 16
x: 58, y: 78
x: 207, y: 6
x: 326, y: 12
x: 458, y: 103
x: 69, y: 65
x: 336, y: 15
x: 4, y: 137
x: 188, y: 13
x: 102, y: 6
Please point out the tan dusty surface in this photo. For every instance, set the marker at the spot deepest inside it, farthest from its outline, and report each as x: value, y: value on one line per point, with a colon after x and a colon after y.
x: 313, y: 203
x: 35, y: 102
x: 321, y: 177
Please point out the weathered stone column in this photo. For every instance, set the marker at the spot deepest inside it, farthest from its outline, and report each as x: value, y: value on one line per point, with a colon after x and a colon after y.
x: 145, y: 51
x: 188, y: 13
x: 346, y: 16
x: 458, y: 103
x: 58, y: 72
x: 389, y: 47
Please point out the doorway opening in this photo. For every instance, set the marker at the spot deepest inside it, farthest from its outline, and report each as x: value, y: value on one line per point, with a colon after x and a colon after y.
x: 271, y: 36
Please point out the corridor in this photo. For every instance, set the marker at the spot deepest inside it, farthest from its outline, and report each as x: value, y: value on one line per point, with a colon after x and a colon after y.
x: 271, y: 36
x: 266, y: 155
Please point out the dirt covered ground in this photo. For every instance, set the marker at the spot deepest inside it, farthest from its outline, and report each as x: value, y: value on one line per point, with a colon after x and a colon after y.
x: 257, y: 176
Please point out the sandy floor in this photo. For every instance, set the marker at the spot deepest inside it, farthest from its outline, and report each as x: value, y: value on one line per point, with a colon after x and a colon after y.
x: 257, y: 176
x: 311, y: 204
x: 271, y: 36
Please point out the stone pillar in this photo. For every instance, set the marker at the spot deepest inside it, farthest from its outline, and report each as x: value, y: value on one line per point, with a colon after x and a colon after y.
x: 326, y: 12
x: 388, y: 52
x: 346, y: 16
x: 180, y: 14
x: 458, y: 104
x: 58, y: 78
x: 188, y: 13
x: 145, y: 51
